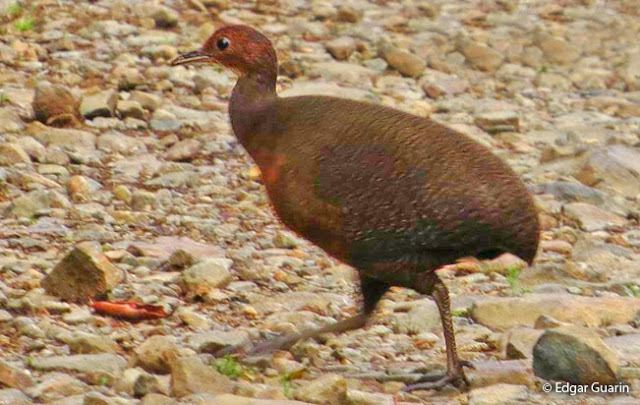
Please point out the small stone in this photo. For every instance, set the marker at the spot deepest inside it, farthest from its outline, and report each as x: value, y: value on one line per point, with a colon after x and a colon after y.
x: 356, y: 397
x: 129, y: 108
x: 54, y: 386
x: 83, y: 273
x: 138, y: 383
x: 14, y: 377
x: 487, y: 373
x: 10, y: 121
x: 575, y: 354
x: 142, y: 200
x: 404, y: 62
x: 117, y: 142
x: 557, y: 50
x: 88, y: 343
x: 190, y: 375
x: 12, y: 396
x: 612, y: 168
x: 349, y: 14
x: 202, y: 277
x: 54, y: 105
x: 211, y: 342
x: 82, y: 363
x: 78, y: 316
x: 498, y: 121
x: 157, y: 399
x: 415, y: 317
x: 122, y: 193
x: 328, y: 389
x: 100, y: 104
x: 499, y: 394
x: 12, y: 153
x: 78, y: 185
x: 154, y: 354
x: 34, y: 149
x: 592, y: 218
x: 165, y: 17
x: 520, y: 342
x: 148, y: 101
x: 437, y: 85
x: 481, y: 56
x: 341, y: 48
x: 192, y: 318
x: 184, y: 150
x: 28, y: 205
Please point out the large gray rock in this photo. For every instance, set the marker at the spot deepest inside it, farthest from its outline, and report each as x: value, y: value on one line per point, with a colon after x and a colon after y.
x: 575, y: 354
x: 83, y: 273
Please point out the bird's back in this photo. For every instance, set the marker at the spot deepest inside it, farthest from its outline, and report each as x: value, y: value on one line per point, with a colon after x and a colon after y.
x: 385, y: 190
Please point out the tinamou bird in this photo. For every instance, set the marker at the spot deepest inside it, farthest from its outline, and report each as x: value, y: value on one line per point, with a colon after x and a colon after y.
x: 394, y: 195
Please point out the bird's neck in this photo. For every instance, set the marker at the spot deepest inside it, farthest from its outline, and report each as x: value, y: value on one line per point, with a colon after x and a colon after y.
x: 252, y: 109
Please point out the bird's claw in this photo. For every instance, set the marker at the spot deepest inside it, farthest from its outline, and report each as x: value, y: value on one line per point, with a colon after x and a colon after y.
x: 456, y: 378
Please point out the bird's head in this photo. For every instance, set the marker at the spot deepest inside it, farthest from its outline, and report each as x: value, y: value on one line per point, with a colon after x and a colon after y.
x: 237, y: 47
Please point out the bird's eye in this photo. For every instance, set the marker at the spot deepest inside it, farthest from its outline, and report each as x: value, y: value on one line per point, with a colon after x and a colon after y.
x: 222, y: 44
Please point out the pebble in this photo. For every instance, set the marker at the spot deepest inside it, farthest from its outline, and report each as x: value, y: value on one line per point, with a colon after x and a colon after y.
x: 202, y: 277
x: 83, y: 273
x: 498, y: 121
x: 328, y: 389
x: 190, y: 375
x: 499, y: 394
x: 12, y: 153
x: 99, y: 104
x: 211, y: 342
x: 341, y: 48
x: 404, y: 62
x: 54, y: 105
x: 154, y: 354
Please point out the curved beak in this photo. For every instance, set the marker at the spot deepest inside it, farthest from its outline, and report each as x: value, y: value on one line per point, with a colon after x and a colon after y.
x: 190, y: 57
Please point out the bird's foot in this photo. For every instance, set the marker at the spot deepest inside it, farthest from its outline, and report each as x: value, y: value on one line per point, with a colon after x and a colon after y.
x: 455, y: 377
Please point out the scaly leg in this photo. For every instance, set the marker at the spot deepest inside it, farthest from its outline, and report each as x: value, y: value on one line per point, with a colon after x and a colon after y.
x: 455, y: 374
x: 372, y: 291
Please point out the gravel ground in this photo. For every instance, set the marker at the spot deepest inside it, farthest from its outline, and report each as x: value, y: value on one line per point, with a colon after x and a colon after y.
x: 120, y: 179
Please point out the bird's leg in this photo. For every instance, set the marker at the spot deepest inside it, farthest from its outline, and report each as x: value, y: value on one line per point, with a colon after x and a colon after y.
x: 372, y: 291
x: 455, y: 374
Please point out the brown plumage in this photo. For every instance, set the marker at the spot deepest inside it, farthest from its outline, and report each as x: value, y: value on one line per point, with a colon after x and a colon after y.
x: 394, y: 195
